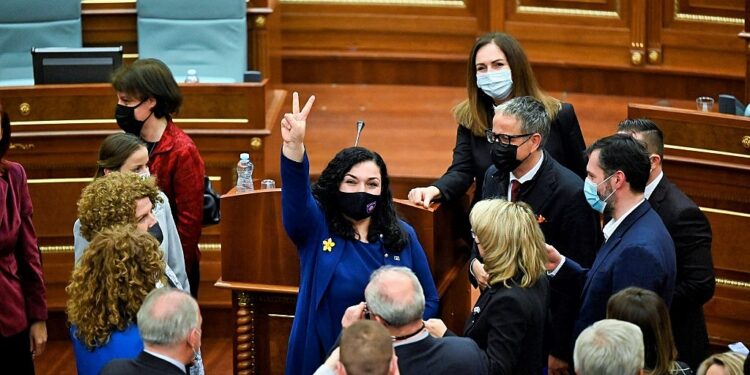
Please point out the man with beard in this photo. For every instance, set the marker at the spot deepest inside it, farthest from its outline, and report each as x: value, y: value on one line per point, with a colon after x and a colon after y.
x: 638, y: 250
x: 523, y: 171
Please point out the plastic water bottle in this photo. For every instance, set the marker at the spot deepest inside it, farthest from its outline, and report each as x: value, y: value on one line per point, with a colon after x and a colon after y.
x: 192, y: 76
x: 244, y: 173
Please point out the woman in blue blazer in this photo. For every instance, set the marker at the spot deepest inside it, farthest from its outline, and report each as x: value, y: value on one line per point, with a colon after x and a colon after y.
x: 344, y: 227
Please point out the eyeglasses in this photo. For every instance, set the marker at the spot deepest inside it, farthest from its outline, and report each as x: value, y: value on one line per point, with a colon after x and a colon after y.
x: 503, y: 138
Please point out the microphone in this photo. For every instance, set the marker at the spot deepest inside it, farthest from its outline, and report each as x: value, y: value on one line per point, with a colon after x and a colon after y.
x: 360, y: 126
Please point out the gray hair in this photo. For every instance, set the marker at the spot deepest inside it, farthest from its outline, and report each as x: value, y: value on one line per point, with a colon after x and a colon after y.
x: 166, y: 316
x: 397, y: 310
x: 530, y: 112
x: 609, y: 347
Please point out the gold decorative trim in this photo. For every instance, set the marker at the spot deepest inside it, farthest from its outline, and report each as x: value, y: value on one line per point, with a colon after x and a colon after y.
x: 112, y: 121
x: 427, y: 3
x: 734, y: 283
x: 70, y: 248
x: 706, y: 151
x: 281, y: 316
x: 59, y: 180
x: 565, y: 11
x: 133, y: 56
x: 83, y: 2
x: 705, y: 18
x: 725, y: 212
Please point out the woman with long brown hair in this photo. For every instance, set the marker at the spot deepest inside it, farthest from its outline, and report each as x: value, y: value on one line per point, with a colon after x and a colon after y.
x: 498, y: 70
x: 648, y: 311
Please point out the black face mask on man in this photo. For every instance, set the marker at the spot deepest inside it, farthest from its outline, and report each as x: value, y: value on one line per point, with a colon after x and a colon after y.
x: 357, y: 206
x: 126, y: 120
x: 505, y: 156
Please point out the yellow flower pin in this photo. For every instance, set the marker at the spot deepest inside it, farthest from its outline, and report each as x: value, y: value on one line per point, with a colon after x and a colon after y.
x: 328, y: 245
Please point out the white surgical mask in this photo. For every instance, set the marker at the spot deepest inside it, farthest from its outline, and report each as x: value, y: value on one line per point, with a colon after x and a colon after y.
x: 496, y: 85
x: 145, y: 173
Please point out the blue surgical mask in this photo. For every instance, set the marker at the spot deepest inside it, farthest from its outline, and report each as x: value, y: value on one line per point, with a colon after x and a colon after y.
x: 592, y: 195
x: 496, y: 85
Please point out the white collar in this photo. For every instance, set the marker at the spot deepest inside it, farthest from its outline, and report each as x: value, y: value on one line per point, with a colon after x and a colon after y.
x: 528, y: 176
x: 171, y: 360
x: 418, y: 337
x: 613, y: 224
x: 652, y: 185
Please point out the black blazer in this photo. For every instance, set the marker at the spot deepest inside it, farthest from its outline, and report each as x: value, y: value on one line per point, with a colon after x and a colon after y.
x: 508, y: 324
x: 449, y: 355
x: 471, y: 155
x: 568, y: 223
x: 144, y: 364
x: 695, y: 282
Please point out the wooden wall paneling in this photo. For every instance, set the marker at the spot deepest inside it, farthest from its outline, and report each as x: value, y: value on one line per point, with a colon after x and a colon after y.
x: 701, y: 36
x: 373, y: 43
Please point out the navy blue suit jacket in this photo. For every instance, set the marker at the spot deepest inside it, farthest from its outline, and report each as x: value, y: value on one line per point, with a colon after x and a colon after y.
x: 639, y: 253
x: 449, y: 355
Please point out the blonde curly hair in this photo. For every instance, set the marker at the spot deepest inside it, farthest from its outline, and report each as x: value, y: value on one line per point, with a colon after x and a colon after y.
x: 110, y: 200
x: 108, y: 285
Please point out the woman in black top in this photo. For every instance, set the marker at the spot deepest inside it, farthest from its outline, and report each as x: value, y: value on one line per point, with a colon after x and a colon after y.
x: 498, y: 70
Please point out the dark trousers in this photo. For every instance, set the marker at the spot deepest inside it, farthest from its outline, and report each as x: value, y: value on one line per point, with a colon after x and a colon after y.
x: 15, y: 354
x: 194, y: 278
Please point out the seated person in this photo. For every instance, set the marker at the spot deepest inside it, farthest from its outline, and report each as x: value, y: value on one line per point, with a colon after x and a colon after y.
x: 119, y: 268
x: 729, y: 363
x: 345, y: 226
x: 609, y: 347
x: 508, y: 320
x: 123, y: 152
x: 395, y: 299
x: 170, y: 323
x: 648, y: 311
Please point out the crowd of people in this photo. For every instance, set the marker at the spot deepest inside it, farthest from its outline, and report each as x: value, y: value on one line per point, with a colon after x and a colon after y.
x: 560, y: 293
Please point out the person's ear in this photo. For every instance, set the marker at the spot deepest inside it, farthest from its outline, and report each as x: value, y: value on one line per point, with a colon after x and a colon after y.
x: 536, y: 139
x: 106, y: 171
x: 655, y: 160
x: 150, y: 103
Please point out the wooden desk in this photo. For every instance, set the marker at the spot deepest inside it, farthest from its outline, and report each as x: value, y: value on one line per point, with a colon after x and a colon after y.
x: 707, y: 155
x: 56, y: 133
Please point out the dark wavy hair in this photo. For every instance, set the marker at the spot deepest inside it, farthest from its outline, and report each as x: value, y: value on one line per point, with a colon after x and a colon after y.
x: 384, y: 220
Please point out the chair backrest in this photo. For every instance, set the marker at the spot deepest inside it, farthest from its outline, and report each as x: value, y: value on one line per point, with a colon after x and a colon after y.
x: 209, y: 36
x: 34, y: 23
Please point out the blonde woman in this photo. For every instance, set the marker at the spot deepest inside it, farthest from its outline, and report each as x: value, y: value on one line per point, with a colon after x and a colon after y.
x: 508, y: 319
x: 728, y: 363
x: 116, y: 272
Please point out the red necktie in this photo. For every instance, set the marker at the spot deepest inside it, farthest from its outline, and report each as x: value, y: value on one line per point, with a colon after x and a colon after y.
x: 515, y: 187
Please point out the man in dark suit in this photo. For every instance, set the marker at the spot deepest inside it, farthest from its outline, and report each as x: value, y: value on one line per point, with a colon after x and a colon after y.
x: 691, y: 234
x: 523, y: 171
x: 169, y: 322
x: 638, y: 250
x: 395, y: 299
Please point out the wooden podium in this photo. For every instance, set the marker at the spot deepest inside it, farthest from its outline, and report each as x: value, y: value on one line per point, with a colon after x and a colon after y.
x: 259, y: 264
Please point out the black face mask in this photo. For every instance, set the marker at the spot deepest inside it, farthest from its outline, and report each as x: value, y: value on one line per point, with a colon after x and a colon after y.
x: 155, y: 231
x: 357, y: 206
x: 504, y: 157
x: 125, y: 117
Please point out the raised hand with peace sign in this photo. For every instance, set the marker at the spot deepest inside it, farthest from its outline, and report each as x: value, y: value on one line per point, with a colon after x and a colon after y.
x: 293, y: 127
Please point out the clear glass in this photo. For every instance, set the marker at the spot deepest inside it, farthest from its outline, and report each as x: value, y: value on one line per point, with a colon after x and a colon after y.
x: 268, y: 184
x: 704, y: 103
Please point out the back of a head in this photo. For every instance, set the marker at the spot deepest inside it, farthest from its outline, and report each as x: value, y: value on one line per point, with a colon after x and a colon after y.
x: 609, y: 347
x: 648, y: 311
x: 366, y: 349
x: 167, y: 316
x: 730, y: 362
x: 395, y: 295
x: 651, y: 135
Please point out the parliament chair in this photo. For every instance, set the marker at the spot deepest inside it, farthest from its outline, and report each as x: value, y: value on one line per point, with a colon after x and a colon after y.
x: 208, y: 36
x: 34, y: 23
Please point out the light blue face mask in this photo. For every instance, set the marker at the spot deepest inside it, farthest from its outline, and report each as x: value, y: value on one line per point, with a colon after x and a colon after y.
x: 496, y: 85
x: 592, y: 195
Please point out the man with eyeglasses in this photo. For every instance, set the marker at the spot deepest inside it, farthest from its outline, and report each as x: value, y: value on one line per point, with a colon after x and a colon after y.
x: 522, y: 171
